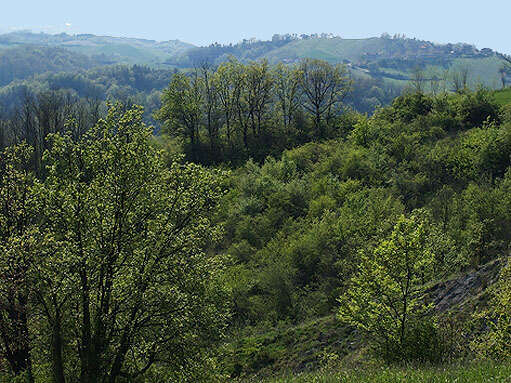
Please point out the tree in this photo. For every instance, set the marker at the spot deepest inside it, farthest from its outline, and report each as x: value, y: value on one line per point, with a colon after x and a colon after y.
x: 385, y: 298
x: 211, y: 106
x: 128, y: 285
x: 496, y: 343
x: 459, y: 79
x: 503, y: 73
x: 287, y: 92
x: 18, y: 244
x: 228, y: 84
x: 418, y: 80
x: 259, y: 84
x: 181, y: 108
x: 324, y: 87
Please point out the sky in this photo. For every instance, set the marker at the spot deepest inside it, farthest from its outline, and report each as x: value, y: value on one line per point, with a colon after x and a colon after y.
x: 483, y: 23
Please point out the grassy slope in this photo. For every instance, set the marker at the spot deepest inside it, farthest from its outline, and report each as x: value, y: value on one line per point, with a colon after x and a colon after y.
x: 482, y: 70
x: 289, y: 348
x: 308, y: 346
x: 483, y: 372
x: 503, y: 96
x: 333, y: 50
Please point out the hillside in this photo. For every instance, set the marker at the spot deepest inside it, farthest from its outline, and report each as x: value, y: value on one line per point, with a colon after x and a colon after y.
x: 308, y: 345
x: 258, y: 244
x: 22, y: 62
x: 392, y: 59
x: 103, y: 49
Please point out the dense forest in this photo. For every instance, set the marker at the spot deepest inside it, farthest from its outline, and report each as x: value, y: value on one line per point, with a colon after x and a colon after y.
x: 243, y: 219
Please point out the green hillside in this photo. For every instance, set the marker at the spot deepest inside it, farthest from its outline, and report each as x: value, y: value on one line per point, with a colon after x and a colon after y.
x: 333, y: 50
x: 503, y: 96
x: 391, y: 59
x: 103, y: 48
x: 22, y: 62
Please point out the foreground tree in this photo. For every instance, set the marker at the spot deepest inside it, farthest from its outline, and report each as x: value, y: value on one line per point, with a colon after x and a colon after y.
x: 385, y: 298
x: 17, y: 247
x: 128, y: 286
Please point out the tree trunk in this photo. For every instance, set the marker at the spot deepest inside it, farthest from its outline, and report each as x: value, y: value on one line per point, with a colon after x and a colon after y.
x: 56, y: 351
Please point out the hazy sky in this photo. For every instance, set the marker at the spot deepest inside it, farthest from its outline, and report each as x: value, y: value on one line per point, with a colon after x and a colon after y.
x: 484, y: 23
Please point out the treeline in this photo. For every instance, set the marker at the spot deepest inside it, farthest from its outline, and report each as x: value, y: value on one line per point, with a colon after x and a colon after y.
x: 241, y: 111
x: 142, y: 85
x: 132, y: 85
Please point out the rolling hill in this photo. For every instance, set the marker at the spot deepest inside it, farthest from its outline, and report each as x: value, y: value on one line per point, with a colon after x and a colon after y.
x: 393, y: 59
x: 388, y: 62
x: 103, y: 49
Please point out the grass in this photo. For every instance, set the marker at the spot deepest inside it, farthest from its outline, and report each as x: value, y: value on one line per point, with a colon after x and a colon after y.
x: 481, y: 372
x: 503, y: 97
x: 287, y: 348
x: 331, y: 50
x: 482, y: 71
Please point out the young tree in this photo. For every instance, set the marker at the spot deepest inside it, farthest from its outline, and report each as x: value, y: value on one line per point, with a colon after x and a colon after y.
x: 418, y: 80
x: 496, y: 343
x: 324, y: 87
x: 128, y: 285
x: 385, y: 299
x: 503, y: 73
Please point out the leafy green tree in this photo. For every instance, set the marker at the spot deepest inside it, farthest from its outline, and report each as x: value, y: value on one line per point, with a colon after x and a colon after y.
x: 181, y: 111
x: 324, y: 87
x: 229, y: 82
x: 287, y: 93
x: 385, y: 298
x: 259, y: 85
x: 18, y: 246
x: 128, y: 287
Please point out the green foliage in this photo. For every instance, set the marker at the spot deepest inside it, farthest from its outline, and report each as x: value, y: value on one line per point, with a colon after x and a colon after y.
x: 385, y: 297
x: 120, y: 224
x: 111, y: 247
x: 19, y: 245
x: 129, y: 238
x: 495, y: 342
x: 247, y: 110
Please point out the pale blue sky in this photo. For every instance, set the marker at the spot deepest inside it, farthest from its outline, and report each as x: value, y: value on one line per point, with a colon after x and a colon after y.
x: 484, y: 23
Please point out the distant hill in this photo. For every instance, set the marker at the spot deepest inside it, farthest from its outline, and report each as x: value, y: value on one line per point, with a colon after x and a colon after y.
x: 102, y: 49
x: 21, y: 62
x: 390, y: 58
x: 383, y: 66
